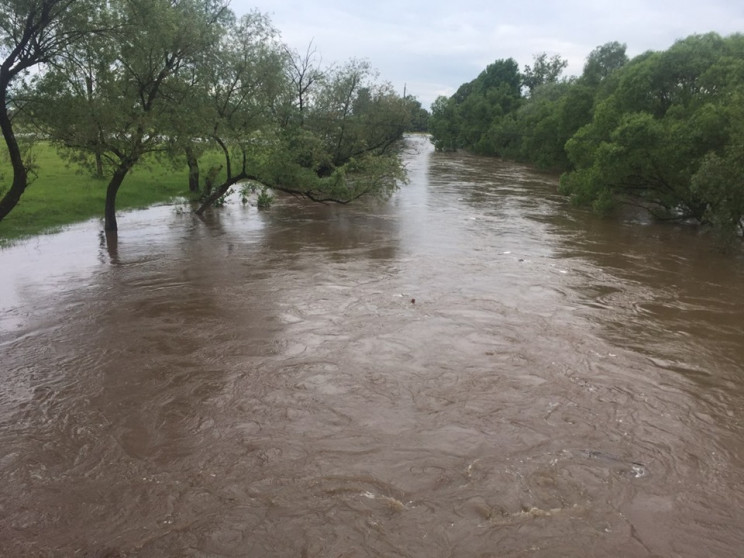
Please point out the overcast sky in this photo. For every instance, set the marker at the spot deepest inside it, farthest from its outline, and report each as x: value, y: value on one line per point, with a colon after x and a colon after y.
x: 434, y: 46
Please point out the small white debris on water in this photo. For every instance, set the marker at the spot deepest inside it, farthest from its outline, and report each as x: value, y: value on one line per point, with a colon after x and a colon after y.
x: 638, y: 470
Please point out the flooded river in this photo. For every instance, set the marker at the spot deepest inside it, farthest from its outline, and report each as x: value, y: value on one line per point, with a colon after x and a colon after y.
x: 472, y: 368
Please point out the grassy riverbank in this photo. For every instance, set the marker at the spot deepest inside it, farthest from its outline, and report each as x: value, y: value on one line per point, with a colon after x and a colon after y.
x: 62, y: 194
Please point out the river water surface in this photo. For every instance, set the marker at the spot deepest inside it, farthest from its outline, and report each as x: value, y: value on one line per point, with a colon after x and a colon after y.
x: 472, y: 368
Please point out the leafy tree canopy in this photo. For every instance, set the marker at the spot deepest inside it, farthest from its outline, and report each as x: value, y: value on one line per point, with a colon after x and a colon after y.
x: 662, y: 131
x: 32, y: 33
x: 124, y: 79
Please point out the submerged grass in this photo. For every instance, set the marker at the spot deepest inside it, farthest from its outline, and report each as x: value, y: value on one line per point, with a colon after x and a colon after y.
x: 61, y: 193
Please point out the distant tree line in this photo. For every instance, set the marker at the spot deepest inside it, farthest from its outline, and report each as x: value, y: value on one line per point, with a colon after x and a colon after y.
x: 113, y: 82
x: 664, y: 131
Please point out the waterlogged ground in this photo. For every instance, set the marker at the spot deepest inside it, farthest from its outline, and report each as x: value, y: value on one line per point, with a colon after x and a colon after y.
x: 473, y: 368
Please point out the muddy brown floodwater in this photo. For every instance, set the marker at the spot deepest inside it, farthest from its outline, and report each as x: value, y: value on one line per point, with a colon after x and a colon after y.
x: 473, y: 368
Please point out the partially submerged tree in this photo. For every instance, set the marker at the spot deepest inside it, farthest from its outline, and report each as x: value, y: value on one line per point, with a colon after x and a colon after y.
x: 668, y: 136
x: 347, y: 148
x: 341, y: 147
x: 419, y: 116
x: 466, y: 119
x: 178, y: 77
x: 140, y: 91
x: 243, y: 84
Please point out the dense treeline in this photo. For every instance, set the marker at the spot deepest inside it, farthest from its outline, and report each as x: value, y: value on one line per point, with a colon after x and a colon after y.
x: 664, y: 130
x: 114, y: 83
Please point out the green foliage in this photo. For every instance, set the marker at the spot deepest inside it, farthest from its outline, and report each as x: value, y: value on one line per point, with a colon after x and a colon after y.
x: 543, y: 71
x: 541, y: 127
x: 352, y: 115
x: 663, y: 130
x: 468, y: 118
x: 245, y: 191
x: 444, y: 124
x: 111, y: 99
x: 295, y: 127
x: 668, y: 136
x: 491, y: 116
x: 602, y: 62
x: 264, y: 199
x: 33, y: 33
x: 418, y: 116
x: 61, y: 195
x: 719, y: 179
x: 369, y: 173
x: 172, y: 82
x: 222, y: 200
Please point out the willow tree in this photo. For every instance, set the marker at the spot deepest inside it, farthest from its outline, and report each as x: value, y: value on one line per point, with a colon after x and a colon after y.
x: 243, y: 82
x: 32, y: 33
x: 467, y: 118
x: 347, y: 145
x: 141, y: 84
x: 543, y: 71
x: 338, y: 145
x: 660, y: 138
x: 304, y: 72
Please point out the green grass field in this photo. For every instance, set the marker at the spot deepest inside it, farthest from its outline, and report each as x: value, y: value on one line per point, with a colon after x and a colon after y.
x: 62, y: 193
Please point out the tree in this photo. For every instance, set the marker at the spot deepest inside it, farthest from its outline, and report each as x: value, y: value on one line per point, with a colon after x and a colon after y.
x: 325, y: 134
x: 542, y: 129
x: 603, y: 61
x: 353, y: 115
x: 244, y: 84
x: 444, y: 124
x: 303, y: 72
x: 347, y: 147
x: 664, y: 134
x: 32, y: 33
x: 719, y: 180
x: 140, y: 90
x: 418, y: 115
x: 83, y: 67
x: 467, y: 119
x: 543, y: 70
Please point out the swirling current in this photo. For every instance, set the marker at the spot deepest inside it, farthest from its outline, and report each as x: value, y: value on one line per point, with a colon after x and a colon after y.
x: 471, y: 368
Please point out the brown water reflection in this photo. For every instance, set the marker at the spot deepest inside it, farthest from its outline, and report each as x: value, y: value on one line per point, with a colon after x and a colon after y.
x: 260, y: 384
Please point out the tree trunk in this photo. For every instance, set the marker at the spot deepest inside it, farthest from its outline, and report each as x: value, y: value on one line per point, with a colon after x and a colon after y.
x: 99, y: 165
x: 97, y: 154
x: 221, y: 190
x: 20, y: 174
x: 112, y: 246
x: 121, y: 171
x: 193, y: 163
x: 13, y: 195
